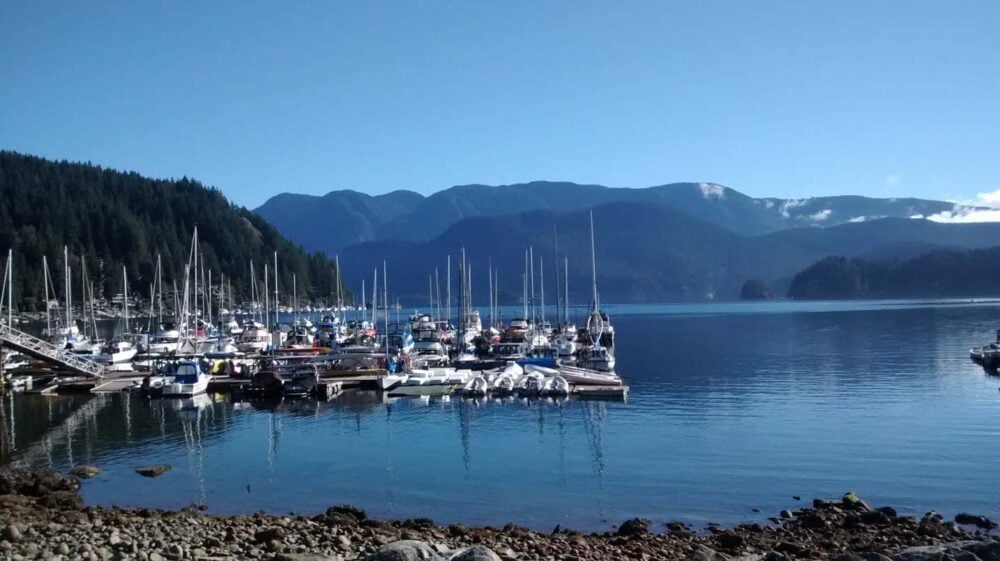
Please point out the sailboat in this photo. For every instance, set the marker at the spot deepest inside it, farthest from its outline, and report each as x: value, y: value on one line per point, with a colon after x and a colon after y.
x: 600, y: 334
x: 68, y: 336
x: 120, y: 348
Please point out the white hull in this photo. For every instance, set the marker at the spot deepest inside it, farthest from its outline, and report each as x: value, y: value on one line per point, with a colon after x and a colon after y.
x: 187, y: 390
x: 118, y: 357
x: 587, y: 377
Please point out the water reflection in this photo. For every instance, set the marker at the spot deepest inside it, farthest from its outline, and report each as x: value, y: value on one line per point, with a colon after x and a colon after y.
x: 727, y: 413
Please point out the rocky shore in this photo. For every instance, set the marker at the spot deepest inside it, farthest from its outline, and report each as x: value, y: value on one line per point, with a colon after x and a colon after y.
x: 43, y: 517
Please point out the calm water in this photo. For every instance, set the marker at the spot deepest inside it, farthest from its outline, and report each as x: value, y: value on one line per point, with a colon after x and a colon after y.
x: 733, y: 407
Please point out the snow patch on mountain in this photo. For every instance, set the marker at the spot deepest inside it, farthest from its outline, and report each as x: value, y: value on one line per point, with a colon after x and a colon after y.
x: 821, y: 215
x: 712, y: 190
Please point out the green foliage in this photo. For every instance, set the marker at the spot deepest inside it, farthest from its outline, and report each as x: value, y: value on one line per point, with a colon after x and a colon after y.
x: 112, y: 219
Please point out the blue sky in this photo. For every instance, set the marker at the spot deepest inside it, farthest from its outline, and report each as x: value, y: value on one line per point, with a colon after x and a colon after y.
x: 795, y: 98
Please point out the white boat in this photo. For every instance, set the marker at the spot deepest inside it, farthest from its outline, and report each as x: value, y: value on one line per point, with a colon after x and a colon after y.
x: 476, y: 386
x: 531, y: 383
x: 426, y: 381
x: 588, y: 377
x: 186, y: 380
x: 254, y: 339
x: 555, y: 385
x: 166, y: 340
x: 596, y: 358
x: 565, y: 342
x: 117, y: 352
x: 20, y: 382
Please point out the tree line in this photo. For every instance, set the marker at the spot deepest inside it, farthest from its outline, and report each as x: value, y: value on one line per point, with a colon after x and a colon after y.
x: 114, y: 219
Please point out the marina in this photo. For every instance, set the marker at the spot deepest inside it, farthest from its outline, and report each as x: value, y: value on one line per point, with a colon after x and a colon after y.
x: 206, y: 343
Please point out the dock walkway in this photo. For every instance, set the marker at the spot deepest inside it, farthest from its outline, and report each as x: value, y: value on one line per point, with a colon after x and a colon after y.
x: 49, y: 353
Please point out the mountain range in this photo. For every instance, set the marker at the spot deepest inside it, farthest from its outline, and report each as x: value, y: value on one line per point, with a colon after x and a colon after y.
x: 348, y: 217
x: 682, y: 241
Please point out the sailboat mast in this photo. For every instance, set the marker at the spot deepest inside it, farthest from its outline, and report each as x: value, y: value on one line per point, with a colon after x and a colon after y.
x: 48, y: 318
x: 336, y: 263
x: 375, y: 299
x: 437, y: 292
x: 385, y: 302
x: 566, y: 289
x: 524, y: 284
x: 489, y: 271
x: 448, y: 290
x: 541, y: 283
x: 531, y: 277
x: 159, y: 275
x: 267, y: 297
x: 593, y: 261
x: 10, y: 288
x: 67, y: 284
x: 277, y: 321
x: 125, y: 291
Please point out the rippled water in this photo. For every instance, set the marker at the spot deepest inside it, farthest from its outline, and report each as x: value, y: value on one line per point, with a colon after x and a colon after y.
x: 733, y: 407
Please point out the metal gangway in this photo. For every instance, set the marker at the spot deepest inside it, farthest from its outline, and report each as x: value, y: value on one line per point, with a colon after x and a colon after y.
x: 49, y: 353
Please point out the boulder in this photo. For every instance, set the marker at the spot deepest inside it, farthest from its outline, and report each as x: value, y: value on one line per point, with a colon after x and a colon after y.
x: 475, y: 553
x: 975, y: 520
x: 85, y: 472
x: 955, y: 551
x: 863, y: 556
x: 406, y: 550
x: 634, y: 527
x: 702, y: 553
x: 153, y: 471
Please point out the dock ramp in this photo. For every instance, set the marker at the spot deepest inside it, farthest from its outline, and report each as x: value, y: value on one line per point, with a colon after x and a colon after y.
x: 47, y: 352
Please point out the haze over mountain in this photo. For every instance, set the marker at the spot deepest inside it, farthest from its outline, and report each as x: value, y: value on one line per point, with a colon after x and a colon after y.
x: 349, y: 217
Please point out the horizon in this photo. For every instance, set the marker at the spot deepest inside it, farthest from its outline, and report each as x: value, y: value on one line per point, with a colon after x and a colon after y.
x: 808, y: 100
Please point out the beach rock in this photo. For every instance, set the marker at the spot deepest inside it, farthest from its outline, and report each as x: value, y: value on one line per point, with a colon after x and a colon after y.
x: 864, y: 556
x: 702, y: 553
x: 12, y: 533
x: 729, y: 540
x: 268, y: 535
x: 634, y: 527
x: 406, y: 550
x: 348, y: 510
x: 955, y: 551
x: 153, y: 471
x: 475, y: 553
x: 304, y: 557
x: 975, y: 520
x: 85, y: 472
x: 854, y: 502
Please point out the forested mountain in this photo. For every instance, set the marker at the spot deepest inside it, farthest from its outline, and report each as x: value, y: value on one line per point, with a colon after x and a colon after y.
x: 940, y: 273
x: 645, y: 252
x: 403, y: 215
x: 113, y: 218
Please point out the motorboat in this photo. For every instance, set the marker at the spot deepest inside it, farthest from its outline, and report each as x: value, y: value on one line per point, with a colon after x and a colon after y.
x: 165, y: 340
x: 506, y: 380
x: 254, y: 339
x: 531, y: 383
x: 477, y: 386
x: 181, y: 379
x: 555, y: 385
x: 596, y: 358
x: 117, y: 352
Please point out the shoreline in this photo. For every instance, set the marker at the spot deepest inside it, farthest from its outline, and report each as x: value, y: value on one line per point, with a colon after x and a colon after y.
x: 42, y: 516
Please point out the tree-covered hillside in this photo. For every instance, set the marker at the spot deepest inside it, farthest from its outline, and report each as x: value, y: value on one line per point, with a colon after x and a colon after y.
x: 113, y: 219
x: 939, y: 273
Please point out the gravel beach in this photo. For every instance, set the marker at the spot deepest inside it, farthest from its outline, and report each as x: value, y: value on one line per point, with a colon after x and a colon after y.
x: 43, y: 517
